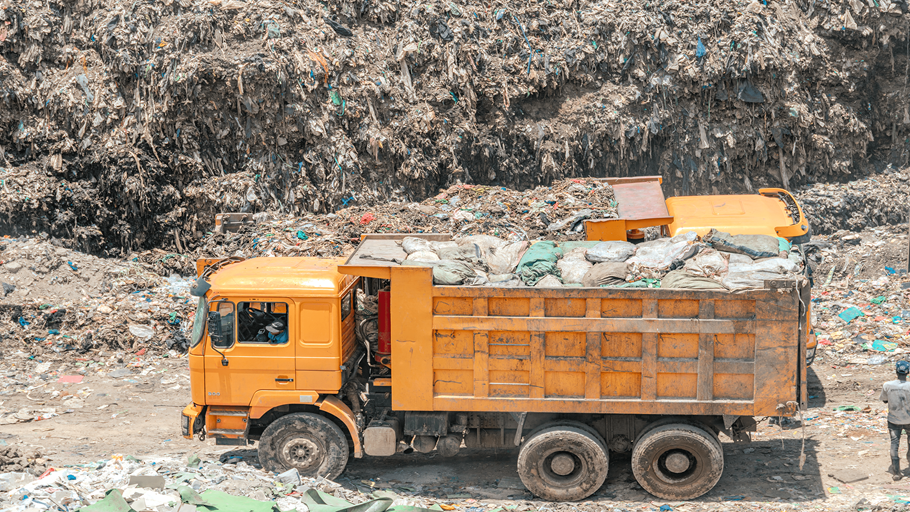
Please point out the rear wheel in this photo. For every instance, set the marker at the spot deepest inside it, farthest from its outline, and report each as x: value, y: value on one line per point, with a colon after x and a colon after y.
x: 677, y: 461
x: 308, y: 442
x: 563, y: 463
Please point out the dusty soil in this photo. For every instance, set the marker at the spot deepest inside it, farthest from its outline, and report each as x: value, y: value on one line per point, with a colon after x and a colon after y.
x: 139, y: 415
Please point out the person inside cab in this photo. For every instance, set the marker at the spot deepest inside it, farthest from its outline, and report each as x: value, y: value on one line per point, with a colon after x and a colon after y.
x: 275, y: 332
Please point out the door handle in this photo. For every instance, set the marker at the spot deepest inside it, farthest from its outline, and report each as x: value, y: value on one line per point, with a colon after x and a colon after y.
x: 284, y: 380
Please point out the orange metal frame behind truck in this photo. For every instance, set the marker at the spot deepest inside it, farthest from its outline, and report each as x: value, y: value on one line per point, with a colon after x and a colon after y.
x: 569, y: 376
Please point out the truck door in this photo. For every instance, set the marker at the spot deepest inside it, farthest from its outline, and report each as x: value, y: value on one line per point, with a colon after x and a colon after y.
x: 254, y: 360
x: 319, y: 345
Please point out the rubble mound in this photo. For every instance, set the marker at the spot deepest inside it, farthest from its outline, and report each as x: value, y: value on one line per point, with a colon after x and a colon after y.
x: 128, y: 125
x: 15, y: 458
x: 877, y: 200
x: 35, y: 268
x: 56, y: 300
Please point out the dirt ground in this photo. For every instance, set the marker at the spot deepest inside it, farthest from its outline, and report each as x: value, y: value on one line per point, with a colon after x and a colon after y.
x: 139, y: 415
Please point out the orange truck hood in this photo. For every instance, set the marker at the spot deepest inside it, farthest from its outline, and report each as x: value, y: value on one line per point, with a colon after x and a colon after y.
x: 748, y: 214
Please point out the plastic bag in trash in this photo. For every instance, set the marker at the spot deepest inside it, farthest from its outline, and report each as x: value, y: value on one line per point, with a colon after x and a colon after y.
x: 737, y: 259
x: 538, y: 261
x: 413, y: 244
x: 754, y: 246
x: 530, y: 275
x: 607, y: 273
x: 10, y: 481
x: 573, y: 266
x: 688, y: 236
x: 775, y: 265
x: 707, y: 263
x: 661, y: 253
x: 143, y: 332
x: 687, y: 280
x: 504, y: 259
x: 446, y: 272
x: 549, y: 281
x: 485, y: 242
x: 616, y: 250
x: 468, y: 253
x: 423, y: 256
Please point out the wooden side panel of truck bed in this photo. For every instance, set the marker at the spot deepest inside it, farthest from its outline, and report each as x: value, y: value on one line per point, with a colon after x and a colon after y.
x: 584, y: 350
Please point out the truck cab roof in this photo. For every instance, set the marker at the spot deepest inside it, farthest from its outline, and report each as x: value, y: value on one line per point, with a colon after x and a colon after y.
x: 281, y: 277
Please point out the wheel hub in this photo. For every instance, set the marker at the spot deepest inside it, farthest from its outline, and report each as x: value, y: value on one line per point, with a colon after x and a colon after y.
x: 302, y: 452
x: 562, y: 464
x: 677, y: 462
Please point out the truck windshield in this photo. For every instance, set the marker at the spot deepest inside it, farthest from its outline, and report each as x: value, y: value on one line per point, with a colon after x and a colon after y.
x: 199, y: 322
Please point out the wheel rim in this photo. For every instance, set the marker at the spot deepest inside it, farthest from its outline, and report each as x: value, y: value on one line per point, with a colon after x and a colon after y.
x: 562, y: 469
x: 302, y: 453
x: 676, y: 465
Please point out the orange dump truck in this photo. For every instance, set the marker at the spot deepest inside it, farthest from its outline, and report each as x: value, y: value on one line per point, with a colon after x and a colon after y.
x: 568, y: 376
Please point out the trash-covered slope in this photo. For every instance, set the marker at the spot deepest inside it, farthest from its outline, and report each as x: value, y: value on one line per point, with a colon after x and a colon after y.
x: 127, y: 125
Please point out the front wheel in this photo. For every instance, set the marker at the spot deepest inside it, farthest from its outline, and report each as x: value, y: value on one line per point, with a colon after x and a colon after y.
x: 308, y: 442
x: 677, y: 461
x: 563, y: 463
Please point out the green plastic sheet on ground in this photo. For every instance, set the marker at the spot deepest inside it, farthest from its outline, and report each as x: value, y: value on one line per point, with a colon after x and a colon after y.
x: 219, y: 501
x: 112, y: 502
x: 318, y: 501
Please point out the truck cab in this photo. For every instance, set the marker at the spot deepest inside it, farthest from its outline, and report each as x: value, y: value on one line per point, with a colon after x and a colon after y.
x: 238, y: 374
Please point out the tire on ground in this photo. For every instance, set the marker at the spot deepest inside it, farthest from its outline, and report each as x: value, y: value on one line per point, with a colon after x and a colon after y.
x: 306, y: 441
x: 563, y: 463
x: 677, y: 461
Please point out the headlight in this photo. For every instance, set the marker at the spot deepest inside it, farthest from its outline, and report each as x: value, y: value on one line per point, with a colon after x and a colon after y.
x: 185, y: 424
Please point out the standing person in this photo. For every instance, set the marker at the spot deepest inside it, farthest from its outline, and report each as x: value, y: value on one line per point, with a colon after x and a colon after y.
x: 897, y: 394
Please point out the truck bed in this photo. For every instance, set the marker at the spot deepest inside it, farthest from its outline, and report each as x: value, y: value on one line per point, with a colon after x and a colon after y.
x: 590, y: 350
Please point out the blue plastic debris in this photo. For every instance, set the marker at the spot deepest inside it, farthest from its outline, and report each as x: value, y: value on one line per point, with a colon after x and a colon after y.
x: 53, y: 331
x: 700, y: 50
x: 851, y: 313
x: 72, y: 266
x: 23, y: 323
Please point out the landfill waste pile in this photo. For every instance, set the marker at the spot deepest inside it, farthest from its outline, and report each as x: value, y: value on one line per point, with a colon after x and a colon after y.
x: 861, y: 297
x: 855, y: 205
x: 58, y: 301
x: 128, y: 125
x: 556, y: 212
x: 716, y: 261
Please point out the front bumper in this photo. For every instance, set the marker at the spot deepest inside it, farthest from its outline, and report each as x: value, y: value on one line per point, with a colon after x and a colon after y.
x: 188, y: 420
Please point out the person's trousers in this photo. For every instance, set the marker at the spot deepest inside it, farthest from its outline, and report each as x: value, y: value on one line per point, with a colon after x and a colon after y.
x: 895, y: 432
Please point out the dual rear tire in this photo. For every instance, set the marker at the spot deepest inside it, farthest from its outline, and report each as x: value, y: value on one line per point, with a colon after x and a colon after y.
x: 569, y: 462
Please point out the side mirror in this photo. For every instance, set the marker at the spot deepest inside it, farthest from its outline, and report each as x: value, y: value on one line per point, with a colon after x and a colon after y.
x: 214, y: 327
x: 199, y: 289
